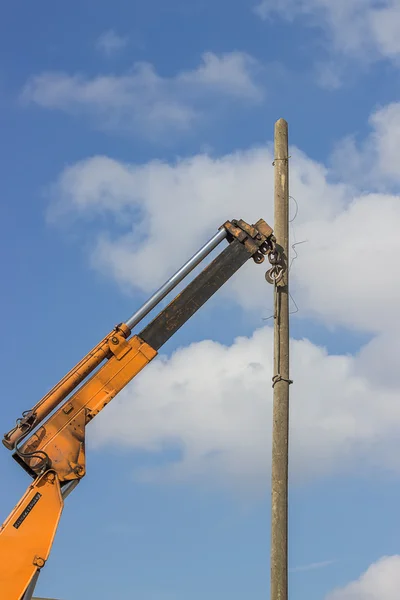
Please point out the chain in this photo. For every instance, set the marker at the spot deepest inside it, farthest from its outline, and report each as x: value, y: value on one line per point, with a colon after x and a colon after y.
x: 275, y: 273
x: 274, y: 276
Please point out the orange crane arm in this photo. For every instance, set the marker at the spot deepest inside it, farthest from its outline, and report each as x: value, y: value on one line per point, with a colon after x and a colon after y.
x: 52, y: 451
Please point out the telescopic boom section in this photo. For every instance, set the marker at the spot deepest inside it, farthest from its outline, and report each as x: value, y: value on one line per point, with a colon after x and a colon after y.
x: 53, y: 451
x: 109, y: 346
x: 31, y: 418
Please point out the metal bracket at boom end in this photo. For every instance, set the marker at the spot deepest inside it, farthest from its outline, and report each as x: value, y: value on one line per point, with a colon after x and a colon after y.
x: 245, y: 242
x: 254, y: 237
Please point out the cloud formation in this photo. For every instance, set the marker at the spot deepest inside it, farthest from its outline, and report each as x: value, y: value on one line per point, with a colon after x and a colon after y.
x: 143, y: 101
x: 364, y: 29
x: 212, y: 403
x: 200, y: 190
x: 110, y: 43
x: 312, y: 566
x: 373, y: 162
x: 381, y: 581
x: 339, y: 277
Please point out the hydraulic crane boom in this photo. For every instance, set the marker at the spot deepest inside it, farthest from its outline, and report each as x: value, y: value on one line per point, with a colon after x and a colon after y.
x: 48, y: 441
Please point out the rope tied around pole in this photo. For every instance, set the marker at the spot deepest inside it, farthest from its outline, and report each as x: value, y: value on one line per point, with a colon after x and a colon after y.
x: 278, y: 377
x: 275, y: 159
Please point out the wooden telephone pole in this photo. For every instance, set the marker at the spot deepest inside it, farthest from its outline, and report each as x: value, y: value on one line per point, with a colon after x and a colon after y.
x: 281, y: 381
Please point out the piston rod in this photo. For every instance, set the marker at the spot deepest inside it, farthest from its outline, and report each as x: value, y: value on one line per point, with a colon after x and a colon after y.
x: 176, y: 278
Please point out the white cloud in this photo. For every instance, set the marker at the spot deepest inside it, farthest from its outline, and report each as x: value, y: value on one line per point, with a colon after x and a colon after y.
x: 144, y: 101
x: 312, y: 566
x: 199, y: 190
x: 110, y: 43
x: 221, y: 422
x: 381, y: 581
x: 349, y: 261
x: 230, y: 73
x: 359, y: 28
x: 374, y: 162
x: 385, y: 25
x: 353, y: 240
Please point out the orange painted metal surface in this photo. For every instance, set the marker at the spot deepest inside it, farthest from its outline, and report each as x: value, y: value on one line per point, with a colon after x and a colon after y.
x: 62, y: 437
x: 64, y: 387
x: 58, y: 448
x: 27, y: 535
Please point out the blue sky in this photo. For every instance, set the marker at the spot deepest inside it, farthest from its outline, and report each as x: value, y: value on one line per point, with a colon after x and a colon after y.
x: 118, y: 120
